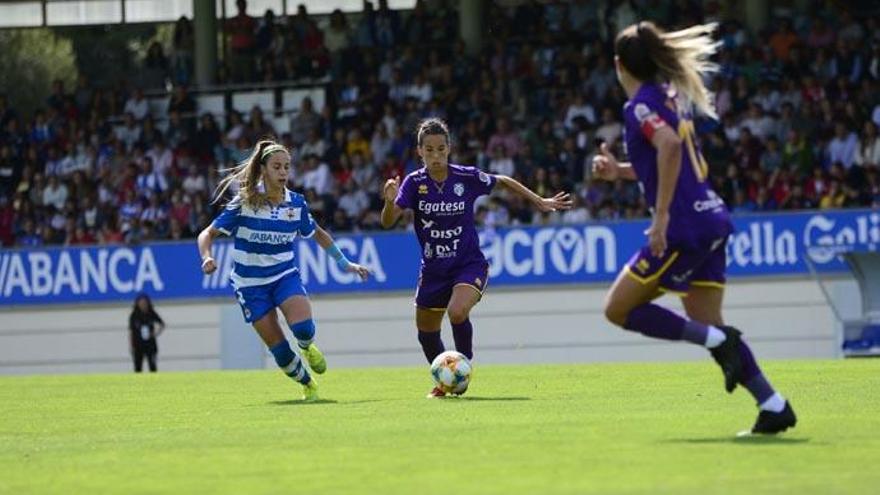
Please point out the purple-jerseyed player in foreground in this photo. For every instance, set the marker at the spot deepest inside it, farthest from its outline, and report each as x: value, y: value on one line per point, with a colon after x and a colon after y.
x: 454, y: 271
x: 662, y: 76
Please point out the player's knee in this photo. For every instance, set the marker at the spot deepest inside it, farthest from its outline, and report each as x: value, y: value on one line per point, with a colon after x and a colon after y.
x: 458, y: 314
x: 303, y: 330
x: 616, y: 313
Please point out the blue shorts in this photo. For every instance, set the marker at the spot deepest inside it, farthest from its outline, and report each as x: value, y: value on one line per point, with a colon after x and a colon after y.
x: 256, y: 301
x: 679, y: 269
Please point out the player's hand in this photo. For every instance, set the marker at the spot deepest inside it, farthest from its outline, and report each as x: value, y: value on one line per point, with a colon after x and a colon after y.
x: 362, y: 271
x: 657, y: 234
x: 605, y: 166
x: 562, y: 201
x: 389, y: 192
x: 209, y: 265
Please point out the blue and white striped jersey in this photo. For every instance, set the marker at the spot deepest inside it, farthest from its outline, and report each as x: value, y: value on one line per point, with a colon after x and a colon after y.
x: 264, y: 238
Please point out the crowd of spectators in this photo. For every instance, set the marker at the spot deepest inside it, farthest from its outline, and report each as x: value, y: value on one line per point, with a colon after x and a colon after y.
x: 799, y: 107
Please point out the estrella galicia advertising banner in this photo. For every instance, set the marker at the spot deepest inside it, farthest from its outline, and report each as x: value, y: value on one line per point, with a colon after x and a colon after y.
x: 763, y: 245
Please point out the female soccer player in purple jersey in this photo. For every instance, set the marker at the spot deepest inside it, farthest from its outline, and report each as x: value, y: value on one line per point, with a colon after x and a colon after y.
x: 264, y: 219
x: 454, y: 271
x: 662, y: 76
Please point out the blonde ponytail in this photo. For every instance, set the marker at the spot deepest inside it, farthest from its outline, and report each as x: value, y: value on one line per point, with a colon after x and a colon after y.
x: 681, y: 57
x: 247, y: 175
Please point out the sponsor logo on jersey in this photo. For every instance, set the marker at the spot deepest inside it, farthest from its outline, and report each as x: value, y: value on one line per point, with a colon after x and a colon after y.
x: 446, y: 234
x: 423, y: 189
x: 441, y: 207
x: 271, y: 237
x: 714, y: 202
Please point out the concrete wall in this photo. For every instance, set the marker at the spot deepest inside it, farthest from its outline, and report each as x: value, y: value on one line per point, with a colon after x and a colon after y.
x: 782, y: 318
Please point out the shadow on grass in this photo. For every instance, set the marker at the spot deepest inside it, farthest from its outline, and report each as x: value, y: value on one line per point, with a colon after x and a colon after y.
x: 478, y: 398
x: 744, y: 440
x: 300, y: 402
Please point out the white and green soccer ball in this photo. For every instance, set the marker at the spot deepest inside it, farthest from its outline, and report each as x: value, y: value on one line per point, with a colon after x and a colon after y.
x: 451, y: 372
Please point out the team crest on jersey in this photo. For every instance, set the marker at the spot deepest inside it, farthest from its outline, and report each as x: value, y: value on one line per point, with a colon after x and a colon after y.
x: 458, y: 189
x: 293, y: 214
x: 423, y: 189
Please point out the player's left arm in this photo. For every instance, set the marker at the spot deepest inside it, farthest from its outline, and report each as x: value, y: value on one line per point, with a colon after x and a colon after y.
x: 325, y: 240
x: 668, y: 146
x: 561, y: 201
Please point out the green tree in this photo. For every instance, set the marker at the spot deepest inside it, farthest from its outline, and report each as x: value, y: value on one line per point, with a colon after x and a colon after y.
x: 32, y: 59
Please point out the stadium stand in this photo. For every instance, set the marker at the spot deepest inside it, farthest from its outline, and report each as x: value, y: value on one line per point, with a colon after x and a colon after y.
x: 799, y: 106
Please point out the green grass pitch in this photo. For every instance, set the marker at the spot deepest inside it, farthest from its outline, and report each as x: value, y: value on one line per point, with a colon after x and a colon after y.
x: 599, y: 428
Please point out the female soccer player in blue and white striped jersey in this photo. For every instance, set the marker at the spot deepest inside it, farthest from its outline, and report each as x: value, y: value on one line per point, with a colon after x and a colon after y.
x: 265, y: 218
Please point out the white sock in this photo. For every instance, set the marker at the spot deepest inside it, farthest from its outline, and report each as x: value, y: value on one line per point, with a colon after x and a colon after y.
x: 776, y: 403
x: 714, y: 337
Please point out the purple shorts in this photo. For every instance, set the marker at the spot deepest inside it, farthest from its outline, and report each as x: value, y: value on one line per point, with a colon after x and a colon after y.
x: 679, y: 269
x: 435, y: 290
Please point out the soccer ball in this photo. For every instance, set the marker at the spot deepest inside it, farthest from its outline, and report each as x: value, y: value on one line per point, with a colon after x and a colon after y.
x: 451, y: 372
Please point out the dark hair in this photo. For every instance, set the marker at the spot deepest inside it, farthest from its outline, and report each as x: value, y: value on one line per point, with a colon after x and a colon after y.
x: 432, y: 127
x: 137, y: 310
x: 680, y: 57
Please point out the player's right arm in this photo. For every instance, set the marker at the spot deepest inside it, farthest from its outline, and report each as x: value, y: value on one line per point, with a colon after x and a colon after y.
x: 225, y: 223
x: 606, y: 167
x: 206, y: 238
x: 390, y: 211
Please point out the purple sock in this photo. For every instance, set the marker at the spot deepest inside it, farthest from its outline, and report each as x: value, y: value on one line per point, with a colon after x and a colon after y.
x: 432, y: 344
x: 658, y: 322
x: 463, y: 333
x: 753, y: 379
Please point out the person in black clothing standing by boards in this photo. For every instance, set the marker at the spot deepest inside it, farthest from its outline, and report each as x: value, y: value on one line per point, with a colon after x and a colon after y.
x: 144, y: 325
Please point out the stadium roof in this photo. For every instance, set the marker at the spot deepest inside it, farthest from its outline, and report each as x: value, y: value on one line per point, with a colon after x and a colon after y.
x: 36, y: 13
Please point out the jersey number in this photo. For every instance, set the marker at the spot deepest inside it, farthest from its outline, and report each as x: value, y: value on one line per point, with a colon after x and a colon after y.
x: 686, y: 133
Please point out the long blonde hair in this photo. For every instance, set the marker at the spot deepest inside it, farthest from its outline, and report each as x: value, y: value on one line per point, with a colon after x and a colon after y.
x: 680, y: 57
x: 247, y: 175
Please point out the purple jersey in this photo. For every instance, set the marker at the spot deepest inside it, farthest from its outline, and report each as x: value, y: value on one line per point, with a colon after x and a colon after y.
x: 444, y: 215
x: 697, y: 214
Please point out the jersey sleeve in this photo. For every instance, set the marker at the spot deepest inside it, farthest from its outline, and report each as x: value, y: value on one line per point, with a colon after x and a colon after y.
x: 307, y: 225
x: 642, y: 116
x: 228, y: 219
x: 484, y: 182
x: 405, y: 194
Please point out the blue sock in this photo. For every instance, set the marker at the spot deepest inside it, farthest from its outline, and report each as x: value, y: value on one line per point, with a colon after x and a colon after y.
x: 289, y: 362
x: 304, y: 331
x: 432, y: 344
x: 463, y: 334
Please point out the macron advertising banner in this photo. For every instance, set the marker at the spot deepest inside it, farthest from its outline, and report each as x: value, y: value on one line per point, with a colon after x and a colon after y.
x: 762, y: 245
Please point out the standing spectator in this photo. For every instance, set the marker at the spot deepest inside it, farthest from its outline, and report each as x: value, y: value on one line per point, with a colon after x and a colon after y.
x: 242, y: 30
x: 144, y: 326
x: 182, y: 50
x: 155, y: 68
